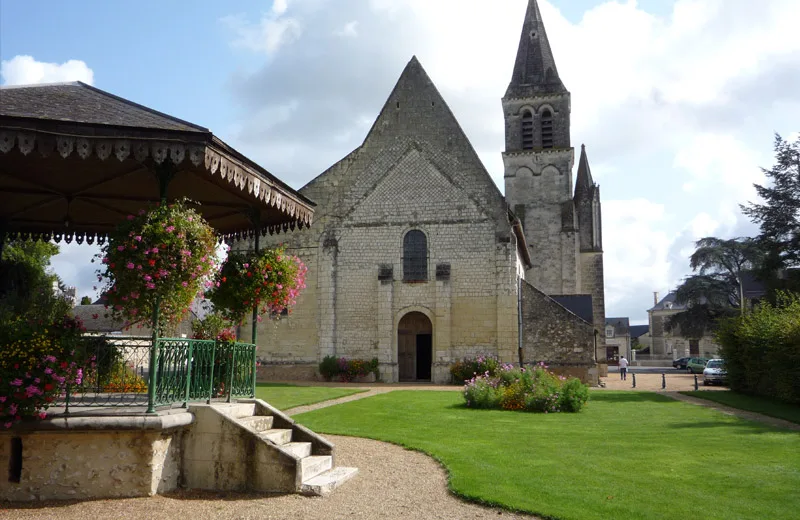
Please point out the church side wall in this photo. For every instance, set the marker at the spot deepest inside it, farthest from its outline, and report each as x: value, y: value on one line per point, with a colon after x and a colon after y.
x: 289, y: 348
x: 555, y: 336
x: 593, y: 283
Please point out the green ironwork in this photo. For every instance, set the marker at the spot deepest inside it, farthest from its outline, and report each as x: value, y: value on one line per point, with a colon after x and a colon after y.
x: 152, y: 367
x: 123, y: 372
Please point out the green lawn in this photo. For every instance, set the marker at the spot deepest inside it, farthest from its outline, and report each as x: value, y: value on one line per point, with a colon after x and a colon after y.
x: 627, y: 455
x: 751, y: 403
x: 283, y: 396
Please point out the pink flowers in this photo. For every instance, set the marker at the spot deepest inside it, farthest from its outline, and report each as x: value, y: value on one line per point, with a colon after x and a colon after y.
x: 170, y: 229
x: 120, y: 248
x: 130, y: 265
x: 16, y: 382
x: 138, y: 238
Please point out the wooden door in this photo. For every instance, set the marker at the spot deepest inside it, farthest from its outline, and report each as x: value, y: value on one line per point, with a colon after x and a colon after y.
x: 406, y: 349
x: 414, y: 347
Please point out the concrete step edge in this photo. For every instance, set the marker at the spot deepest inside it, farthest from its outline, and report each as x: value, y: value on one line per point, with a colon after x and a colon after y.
x: 324, y: 483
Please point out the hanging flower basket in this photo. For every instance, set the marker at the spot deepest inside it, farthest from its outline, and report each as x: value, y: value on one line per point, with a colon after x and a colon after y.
x: 166, y: 254
x: 269, y: 280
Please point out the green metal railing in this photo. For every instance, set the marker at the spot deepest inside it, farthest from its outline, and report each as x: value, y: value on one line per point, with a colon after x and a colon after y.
x: 184, y: 370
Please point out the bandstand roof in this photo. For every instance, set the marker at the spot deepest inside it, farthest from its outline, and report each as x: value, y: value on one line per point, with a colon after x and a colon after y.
x: 75, y: 160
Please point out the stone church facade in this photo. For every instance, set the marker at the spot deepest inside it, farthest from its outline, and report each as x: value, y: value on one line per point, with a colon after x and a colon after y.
x: 417, y: 259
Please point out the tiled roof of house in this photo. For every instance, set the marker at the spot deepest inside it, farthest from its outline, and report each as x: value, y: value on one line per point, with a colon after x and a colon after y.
x: 639, y: 330
x: 621, y: 325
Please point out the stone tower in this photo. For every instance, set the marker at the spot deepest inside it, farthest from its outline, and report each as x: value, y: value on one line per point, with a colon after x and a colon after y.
x: 562, y: 228
x: 538, y: 160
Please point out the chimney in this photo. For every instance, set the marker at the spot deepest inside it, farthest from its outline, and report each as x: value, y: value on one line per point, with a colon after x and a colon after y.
x: 655, y: 298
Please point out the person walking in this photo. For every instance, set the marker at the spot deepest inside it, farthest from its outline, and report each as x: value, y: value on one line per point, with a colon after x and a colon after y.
x: 623, y: 368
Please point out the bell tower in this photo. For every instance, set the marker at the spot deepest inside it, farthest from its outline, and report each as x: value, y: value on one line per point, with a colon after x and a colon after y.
x: 539, y: 158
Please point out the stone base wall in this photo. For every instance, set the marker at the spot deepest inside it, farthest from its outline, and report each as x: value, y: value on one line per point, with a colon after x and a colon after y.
x: 587, y: 375
x: 62, y: 465
x: 288, y: 372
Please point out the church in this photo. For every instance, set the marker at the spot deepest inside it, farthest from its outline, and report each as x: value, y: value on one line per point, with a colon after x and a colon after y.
x: 417, y: 259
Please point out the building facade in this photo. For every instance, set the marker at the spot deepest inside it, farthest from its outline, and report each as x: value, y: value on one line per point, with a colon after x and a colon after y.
x: 417, y: 259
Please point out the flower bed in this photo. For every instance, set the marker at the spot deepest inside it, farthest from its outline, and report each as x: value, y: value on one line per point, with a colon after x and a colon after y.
x: 465, y: 369
x: 530, y: 390
x: 37, y: 365
x: 347, y: 370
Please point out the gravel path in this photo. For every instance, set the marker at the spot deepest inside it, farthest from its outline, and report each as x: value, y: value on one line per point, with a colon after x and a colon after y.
x: 392, y: 484
x: 743, y: 414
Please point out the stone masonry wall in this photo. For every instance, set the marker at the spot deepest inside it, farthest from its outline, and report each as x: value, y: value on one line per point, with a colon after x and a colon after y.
x: 555, y: 336
x: 84, y: 465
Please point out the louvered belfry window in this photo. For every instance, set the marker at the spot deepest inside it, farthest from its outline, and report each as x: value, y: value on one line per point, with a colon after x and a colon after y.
x: 527, y: 130
x: 415, y: 257
x: 547, y: 129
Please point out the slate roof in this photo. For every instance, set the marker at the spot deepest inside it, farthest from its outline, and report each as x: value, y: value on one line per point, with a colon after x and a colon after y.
x: 639, y: 330
x: 579, y: 304
x: 753, y: 288
x: 78, y: 102
x: 535, y: 70
x: 621, y: 326
x: 668, y: 303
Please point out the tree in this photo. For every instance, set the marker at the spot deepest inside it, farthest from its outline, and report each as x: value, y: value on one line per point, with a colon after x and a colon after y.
x: 779, y: 215
x: 26, y: 286
x: 717, y: 290
x: 85, y: 300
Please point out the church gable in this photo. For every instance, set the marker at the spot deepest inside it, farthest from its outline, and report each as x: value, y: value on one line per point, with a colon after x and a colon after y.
x: 416, y: 115
x: 415, y: 190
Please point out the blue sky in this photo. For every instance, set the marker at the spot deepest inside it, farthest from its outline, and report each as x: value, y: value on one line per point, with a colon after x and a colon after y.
x: 677, y: 101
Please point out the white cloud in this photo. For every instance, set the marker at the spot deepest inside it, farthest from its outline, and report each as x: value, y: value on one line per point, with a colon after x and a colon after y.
x: 269, y: 34
x: 678, y: 111
x: 25, y: 70
x: 350, y: 30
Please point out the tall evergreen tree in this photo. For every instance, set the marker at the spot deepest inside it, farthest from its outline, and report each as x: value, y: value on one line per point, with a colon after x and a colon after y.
x: 779, y: 214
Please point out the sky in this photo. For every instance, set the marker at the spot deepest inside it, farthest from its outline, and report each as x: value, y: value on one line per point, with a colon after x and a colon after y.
x: 677, y: 102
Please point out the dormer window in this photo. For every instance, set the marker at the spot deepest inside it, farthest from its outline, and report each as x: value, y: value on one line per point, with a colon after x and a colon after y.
x: 609, y: 332
x: 547, y: 129
x: 527, y: 130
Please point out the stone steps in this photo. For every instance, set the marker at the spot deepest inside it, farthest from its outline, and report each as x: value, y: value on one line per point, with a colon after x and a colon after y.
x: 315, y: 471
x: 324, y: 483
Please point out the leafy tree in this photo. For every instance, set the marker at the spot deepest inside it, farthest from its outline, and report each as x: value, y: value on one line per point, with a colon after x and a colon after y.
x: 85, y: 300
x: 716, y: 291
x: 779, y: 214
x: 26, y: 286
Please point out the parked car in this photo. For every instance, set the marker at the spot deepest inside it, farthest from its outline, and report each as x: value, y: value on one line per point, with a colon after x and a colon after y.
x: 680, y: 364
x: 696, y: 365
x: 715, y: 372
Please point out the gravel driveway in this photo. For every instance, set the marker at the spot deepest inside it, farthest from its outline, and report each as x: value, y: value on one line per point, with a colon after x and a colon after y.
x: 392, y: 483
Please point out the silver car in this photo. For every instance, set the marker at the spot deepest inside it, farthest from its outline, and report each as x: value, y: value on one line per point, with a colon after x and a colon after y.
x: 715, y: 372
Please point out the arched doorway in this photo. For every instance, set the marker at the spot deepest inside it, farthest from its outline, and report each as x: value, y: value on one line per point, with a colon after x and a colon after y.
x: 415, y: 347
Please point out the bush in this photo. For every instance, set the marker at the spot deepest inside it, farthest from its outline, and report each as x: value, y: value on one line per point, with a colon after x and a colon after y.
x: 536, y: 390
x: 762, y: 350
x: 467, y: 368
x: 346, y: 370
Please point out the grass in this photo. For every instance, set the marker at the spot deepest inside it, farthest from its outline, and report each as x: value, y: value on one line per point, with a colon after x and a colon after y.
x: 752, y: 403
x: 283, y: 396
x: 627, y: 455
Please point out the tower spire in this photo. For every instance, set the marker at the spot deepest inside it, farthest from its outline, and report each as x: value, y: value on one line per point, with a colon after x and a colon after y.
x: 535, y: 70
x: 584, y: 184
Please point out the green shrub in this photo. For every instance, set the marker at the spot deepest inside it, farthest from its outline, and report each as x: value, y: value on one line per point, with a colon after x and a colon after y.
x: 762, y: 350
x: 465, y: 369
x: 574, y: 395
x: 532, y: 390
x: 347, y: 370
x: 329, y: 368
